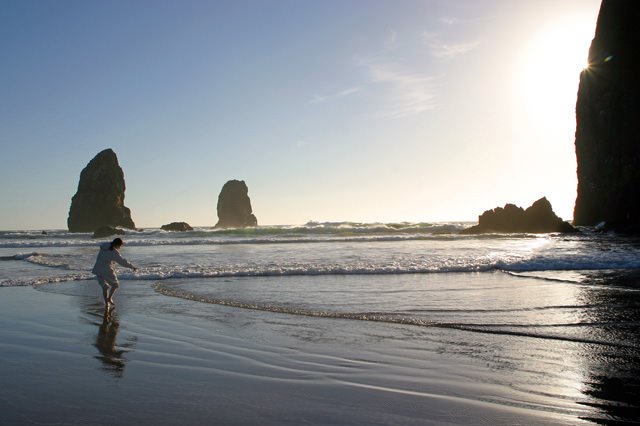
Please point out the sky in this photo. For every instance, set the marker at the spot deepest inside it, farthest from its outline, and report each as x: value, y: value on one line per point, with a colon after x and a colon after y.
x: 349, y: 110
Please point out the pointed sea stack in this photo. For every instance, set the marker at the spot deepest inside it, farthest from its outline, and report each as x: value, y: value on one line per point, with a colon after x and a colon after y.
x: 608, y: 127
x: 234, y: 206
x: 99, y: 201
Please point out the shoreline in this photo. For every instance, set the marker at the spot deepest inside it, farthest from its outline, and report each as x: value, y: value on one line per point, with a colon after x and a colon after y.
x: 160, y: 360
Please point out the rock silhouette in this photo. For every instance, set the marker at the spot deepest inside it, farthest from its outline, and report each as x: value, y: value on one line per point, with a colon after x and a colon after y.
x: 607, y: 131
x: 99, y: 200
x: 234, y: 206
x: 539, y: 218
x: 177, y: 226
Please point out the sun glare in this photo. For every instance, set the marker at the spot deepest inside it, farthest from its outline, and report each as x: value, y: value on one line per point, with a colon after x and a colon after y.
x: 544, y: 85
x: 550, y: 68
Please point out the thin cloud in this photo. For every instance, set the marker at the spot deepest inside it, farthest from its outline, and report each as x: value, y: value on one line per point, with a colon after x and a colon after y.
x: 440, y: 49
x: 448, y: 20
x: 319, y: 99
x: 409, y: 92
x: 391, y: 39
x: 301, y: 143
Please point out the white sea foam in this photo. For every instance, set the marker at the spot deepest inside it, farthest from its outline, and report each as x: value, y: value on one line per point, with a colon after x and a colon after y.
x: 35, y: 281
x: 318, y: 249
x: 312, y: 232
x: 557, y: 272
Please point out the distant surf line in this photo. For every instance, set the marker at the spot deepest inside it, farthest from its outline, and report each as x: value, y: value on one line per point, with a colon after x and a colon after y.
x: 135, y: 240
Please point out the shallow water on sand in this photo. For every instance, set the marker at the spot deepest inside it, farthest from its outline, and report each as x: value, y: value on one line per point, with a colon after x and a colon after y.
x: 467, y: 366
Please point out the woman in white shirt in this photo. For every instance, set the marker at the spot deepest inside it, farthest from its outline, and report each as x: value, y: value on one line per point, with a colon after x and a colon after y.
x: 105, y: 268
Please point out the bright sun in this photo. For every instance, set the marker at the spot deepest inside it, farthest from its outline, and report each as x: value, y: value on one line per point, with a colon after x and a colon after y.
x: 551, y: 66
x: 544, y: 85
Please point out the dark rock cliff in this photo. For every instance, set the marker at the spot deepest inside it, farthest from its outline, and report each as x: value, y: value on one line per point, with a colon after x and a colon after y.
x: 99, y: 200
x: 234, y: 206
x: 608, y: 122
x: 539, y: 218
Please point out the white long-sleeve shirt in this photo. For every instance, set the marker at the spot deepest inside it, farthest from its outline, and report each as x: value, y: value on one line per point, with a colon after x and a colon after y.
x: 106, y: 262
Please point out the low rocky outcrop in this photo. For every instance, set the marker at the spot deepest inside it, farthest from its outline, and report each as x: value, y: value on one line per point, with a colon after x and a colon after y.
x: 607, y: 132
x: 539, y: 218
x: 106, y: 231
x: 234, y: 206
x: 99, y: 200
x: 177, y: 227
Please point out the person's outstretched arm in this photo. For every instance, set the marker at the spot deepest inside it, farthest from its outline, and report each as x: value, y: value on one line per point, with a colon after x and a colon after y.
x: 122, y: 261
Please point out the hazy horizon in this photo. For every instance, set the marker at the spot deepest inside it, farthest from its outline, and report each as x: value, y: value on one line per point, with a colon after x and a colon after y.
x: 417, y: 111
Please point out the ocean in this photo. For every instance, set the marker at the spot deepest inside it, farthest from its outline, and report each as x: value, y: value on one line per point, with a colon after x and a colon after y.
x: 547, y: 322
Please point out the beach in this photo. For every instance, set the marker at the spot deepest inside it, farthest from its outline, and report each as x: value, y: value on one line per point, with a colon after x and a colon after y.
x: 158, y: 361
x: 345, y: 279
x: 326, y: 325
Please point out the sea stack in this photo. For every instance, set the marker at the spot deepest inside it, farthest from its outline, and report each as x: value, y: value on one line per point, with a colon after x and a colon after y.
x: 536, y: 219
x: 177, y: 227
x: 99, y: 200
x: 234, y: 206
x: 607, y: 114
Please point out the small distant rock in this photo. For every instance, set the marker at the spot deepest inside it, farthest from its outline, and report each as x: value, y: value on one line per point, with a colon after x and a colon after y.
x: 537, y: 219
x: 105, y: 231
x: 177, y: 226
x: 234, y: 206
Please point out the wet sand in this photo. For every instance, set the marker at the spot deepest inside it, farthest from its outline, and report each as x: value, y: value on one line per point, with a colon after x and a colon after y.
x: 157, y: 360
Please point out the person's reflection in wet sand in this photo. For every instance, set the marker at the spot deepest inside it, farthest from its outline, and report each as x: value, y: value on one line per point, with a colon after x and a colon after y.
x: 111, y: 355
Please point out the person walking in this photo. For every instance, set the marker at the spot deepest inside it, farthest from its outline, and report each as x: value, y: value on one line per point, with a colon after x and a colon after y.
x: 104, y: 269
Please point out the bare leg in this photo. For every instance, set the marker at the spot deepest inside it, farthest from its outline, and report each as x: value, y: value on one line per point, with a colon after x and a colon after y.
x: 105, y: 295
x: 112, y: 290
x: 105, y: 289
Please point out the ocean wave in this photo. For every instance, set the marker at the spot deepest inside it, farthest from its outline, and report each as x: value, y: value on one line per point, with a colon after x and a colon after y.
x: 258, y: 271
x: 51, y: 279
x: 133, y: 242
x: 518, y: 330
x: 556, y: 267
x: 42, y: 259
x: 566, y: 264
x: 309, y: 233
x: 180, y: 272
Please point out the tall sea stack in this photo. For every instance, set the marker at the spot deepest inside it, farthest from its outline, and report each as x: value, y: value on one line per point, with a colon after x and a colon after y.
x: 608, y: 122
x: 234, y: 206
x: 100, y: 198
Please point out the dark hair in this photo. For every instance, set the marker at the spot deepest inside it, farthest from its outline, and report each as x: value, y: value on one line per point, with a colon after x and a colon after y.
x: 116, y: 243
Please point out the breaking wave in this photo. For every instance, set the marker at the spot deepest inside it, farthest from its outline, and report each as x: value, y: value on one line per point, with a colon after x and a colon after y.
x: 404, y: 318
x: 312, y: 232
